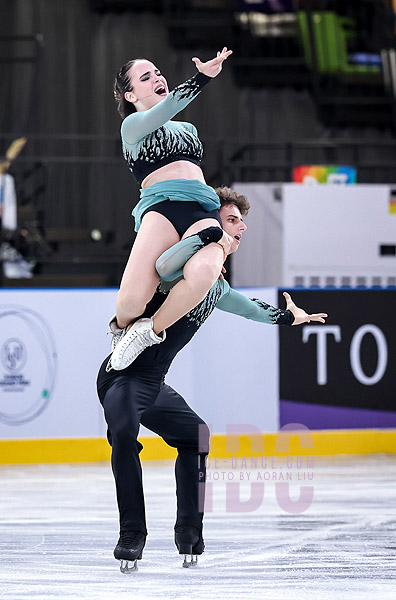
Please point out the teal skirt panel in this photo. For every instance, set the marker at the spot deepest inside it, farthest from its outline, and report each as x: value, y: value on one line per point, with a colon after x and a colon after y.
x: 178, y: 190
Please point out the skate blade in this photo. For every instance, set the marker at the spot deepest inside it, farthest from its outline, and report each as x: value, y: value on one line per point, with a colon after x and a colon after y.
x: 190, y: 563
x: 125, y: 568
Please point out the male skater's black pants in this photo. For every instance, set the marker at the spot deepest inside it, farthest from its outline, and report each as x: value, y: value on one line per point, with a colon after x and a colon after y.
x: 142, y: 398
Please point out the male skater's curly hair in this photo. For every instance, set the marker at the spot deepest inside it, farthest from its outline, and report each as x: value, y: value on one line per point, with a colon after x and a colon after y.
x: 229, y: 196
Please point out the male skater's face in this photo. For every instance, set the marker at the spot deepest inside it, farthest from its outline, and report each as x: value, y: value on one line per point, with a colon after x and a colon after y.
x: 233, y: 224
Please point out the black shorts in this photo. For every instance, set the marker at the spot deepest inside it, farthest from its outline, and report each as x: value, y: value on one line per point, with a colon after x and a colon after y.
x: 183, y: 214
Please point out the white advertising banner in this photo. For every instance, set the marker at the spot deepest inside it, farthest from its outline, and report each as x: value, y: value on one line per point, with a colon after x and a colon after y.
x: 52, y: 343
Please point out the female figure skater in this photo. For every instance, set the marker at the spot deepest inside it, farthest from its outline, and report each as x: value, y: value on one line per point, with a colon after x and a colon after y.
x: 164, y: 156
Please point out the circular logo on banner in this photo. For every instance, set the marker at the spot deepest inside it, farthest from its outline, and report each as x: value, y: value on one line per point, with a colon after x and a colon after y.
x: 13, y: 355
x: 28, y: 364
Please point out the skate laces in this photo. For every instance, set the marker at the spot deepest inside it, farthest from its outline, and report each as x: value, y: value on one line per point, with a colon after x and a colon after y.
x: 134, y: 342
x: 139, y: 339
x: 117, y: 336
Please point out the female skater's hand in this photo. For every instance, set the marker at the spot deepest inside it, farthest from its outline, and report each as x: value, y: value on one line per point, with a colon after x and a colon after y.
x: 226, y: 242
x: 300, y: 316
x: 211, y: 68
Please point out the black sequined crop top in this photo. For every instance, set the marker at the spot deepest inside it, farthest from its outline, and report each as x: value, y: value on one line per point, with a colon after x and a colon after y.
x: 151, y: 140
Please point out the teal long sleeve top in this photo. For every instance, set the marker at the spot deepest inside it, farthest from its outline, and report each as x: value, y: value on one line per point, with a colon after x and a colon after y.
x: 151, y: 139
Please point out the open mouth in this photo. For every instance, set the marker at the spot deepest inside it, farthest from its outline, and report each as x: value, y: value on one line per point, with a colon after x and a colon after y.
x: 237, y: 237
x: 160, y: 90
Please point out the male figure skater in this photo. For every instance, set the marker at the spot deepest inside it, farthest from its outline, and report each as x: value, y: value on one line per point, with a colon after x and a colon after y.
x: 139, y: 394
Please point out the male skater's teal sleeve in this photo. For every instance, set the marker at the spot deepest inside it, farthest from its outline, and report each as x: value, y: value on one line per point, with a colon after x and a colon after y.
x: 139, y: 124
x: 252, y: 308
x: 171, y: 263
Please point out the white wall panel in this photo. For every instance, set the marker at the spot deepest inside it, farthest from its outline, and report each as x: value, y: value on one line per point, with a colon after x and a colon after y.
x: 332, y: 235
x: 316, y: 235
x: 258, y: 261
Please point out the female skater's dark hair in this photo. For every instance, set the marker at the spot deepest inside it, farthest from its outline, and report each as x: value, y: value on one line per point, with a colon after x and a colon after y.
x: 230, y: 196
x: 122, y: 84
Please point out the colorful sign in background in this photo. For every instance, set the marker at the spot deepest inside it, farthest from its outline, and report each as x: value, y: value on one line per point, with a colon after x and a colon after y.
x: 330, y: 174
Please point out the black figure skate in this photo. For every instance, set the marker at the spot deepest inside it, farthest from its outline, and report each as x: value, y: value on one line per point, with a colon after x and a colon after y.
x: 129, y: 549
x: 190, y: 543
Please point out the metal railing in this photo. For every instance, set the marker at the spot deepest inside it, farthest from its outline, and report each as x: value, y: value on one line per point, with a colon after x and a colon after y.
x: 375, y: 160
x: 81, y: 183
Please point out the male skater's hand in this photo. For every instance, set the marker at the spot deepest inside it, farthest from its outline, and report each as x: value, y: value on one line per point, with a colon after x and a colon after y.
x: 300, y: 316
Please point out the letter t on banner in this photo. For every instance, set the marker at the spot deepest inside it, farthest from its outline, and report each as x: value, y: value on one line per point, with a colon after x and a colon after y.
x: 321, y: 349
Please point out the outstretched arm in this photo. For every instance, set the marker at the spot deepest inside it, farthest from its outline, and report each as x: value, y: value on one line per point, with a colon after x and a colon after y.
x: 139, y: 124
x: 252, y: 308
x: 257, y: 310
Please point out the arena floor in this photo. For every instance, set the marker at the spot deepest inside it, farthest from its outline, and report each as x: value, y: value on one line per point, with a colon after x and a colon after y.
x: 58, y: 528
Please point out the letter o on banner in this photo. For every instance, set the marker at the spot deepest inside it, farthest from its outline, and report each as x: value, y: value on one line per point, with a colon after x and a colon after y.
x: 382, y: 348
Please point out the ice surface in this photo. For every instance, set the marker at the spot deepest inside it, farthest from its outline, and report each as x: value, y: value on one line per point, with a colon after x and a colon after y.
x: 59, y: 526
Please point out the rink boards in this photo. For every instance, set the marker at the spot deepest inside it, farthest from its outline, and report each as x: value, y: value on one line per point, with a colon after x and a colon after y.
x: 52, y: 343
